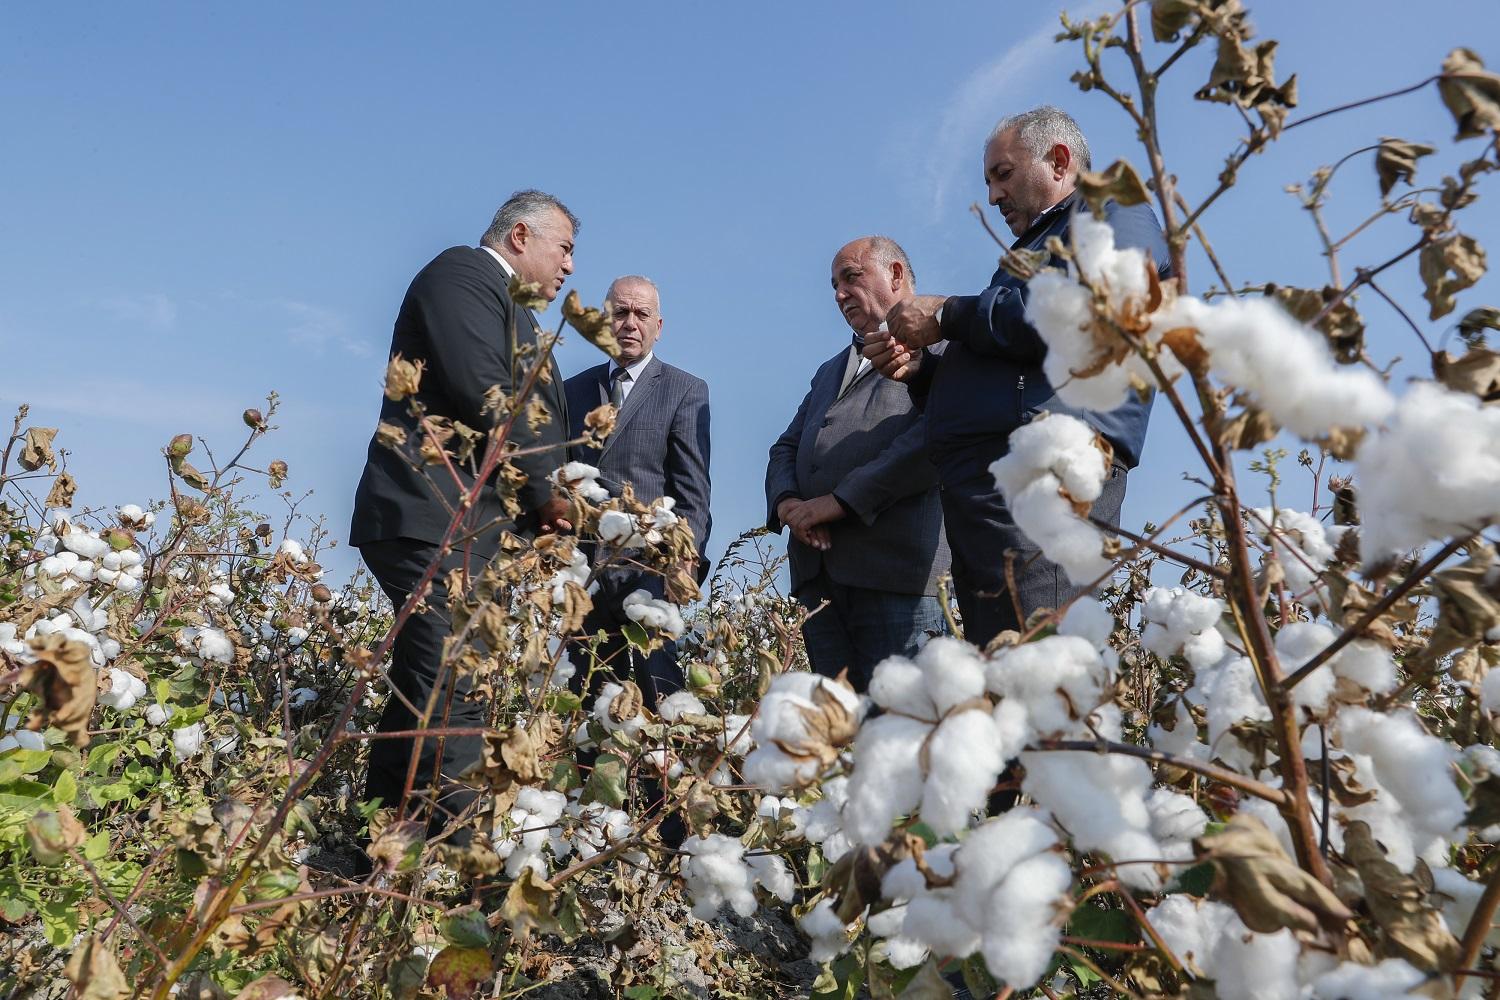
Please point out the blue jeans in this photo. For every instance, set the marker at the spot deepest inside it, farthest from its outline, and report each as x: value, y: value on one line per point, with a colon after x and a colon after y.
x: 859, y: 627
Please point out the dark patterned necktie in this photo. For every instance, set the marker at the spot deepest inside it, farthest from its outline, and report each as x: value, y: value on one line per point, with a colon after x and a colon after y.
x: 617, y: 380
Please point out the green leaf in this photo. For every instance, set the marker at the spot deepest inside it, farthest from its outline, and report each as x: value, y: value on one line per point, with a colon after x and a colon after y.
x: 30, y: 761
x: 563, y: 702
x: 565, y: 776
x: 1195, y: 881
x: 978, y: 979
x: 102, y: 757
x: 636, y: 635
x: 642, y: 993
x: 467, y: 930
x: 839, y: 981
x: 1098, y: 924
x: 24, y: 794
x: 96, y: 846
x: 65, y: 790
x: 114, y: 791
x: 606, y: 782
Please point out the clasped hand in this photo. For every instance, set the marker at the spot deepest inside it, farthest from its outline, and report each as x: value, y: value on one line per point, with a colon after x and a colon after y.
x: 807, y: 519
x: 912, y: 324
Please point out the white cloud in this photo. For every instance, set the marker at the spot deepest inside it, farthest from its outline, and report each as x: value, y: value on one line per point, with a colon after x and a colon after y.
x: 319, y: 328
x: 1010, y: 83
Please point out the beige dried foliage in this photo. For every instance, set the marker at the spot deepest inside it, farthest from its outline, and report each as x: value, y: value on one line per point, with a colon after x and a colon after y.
x: 1396, y: 160
x: 36, y: 449
x: 1471, y: 93
x: 403, y: 378
x: 1264, y: 886
x: 1448, y: 266
x: 593, y: 323
x: 1401, y: 905
x: 1119, y: 183
x: 95, y: 972
x: 62, y: 676
x: 61, y: 494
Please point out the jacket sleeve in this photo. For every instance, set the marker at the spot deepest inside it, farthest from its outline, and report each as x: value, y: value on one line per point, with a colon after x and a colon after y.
x: 900, y: 471
x: 687, y: 462
x: 781, y: 468
x: 920, y: 385
x: 994, y: 323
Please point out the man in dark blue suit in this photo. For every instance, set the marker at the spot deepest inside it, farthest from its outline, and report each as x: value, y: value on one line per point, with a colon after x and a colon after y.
x: 660, y: 446
x: 988, y: 380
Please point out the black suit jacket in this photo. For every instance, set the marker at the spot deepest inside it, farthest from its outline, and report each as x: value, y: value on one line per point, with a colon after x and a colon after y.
x: 660, y: 444
x: 458, y: 317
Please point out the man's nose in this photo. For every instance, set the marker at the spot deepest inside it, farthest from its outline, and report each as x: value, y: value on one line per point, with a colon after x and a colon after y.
x: 567, y: 264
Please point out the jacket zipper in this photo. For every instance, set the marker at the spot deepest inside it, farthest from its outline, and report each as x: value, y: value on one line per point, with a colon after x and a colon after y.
x: 1020, y: 398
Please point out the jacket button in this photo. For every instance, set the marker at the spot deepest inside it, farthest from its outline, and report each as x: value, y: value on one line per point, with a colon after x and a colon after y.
x: 1025, y: 418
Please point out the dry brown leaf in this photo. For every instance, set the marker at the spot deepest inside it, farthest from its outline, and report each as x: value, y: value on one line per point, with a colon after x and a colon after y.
x: 63, y: 678
x: 402, y: 377
x: 93, y: 970
x: 593, y: 323
x: 1118, y: 183
x: 1448, y: 266
x: 1471, y: 93
x: 1413, y: 926
x: 1183, y: 342
x: 1476, y: 372
x: 529, y: 904
x: 36, y: 449
x: 61, y: 494
x: 1264, y: 886
x: 627, y: 704
x: 1396, y: 160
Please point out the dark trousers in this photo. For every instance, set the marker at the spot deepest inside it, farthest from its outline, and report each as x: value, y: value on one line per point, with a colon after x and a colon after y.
x: 981, y: 531
x: 859, y: 627
x: 417, y: 672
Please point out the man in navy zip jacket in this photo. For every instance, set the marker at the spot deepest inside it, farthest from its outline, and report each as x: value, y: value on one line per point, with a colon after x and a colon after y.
x: 988, y: 380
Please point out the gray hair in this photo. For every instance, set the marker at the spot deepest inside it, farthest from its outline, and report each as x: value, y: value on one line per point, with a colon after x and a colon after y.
x: 1044, y: 127
x: 886, y: 252
x: 529, y: 206
x: 639, y: 279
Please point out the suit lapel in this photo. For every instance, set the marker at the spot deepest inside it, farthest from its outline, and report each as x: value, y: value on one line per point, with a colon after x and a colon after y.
x: 633, y: 402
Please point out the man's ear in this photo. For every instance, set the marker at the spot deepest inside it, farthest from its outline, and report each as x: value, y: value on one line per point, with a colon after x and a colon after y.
x: 898, y: 275
x: 519, y: 234
x: 1062, y: 159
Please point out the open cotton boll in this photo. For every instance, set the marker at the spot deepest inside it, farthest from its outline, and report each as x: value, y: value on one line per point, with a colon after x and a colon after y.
x: 1177, y: 620
x: 1368, y: 664
x: 887, y: 780
x: 781, y: 725
x: 953, y: 672
x: 1022, y: 931
x: 1299, y: 544
x: 1489, y: 692
x: 187, y: 741
x: 772, y: 873
x: 1049, y: 454
x: 1432, y: 472
x: 1297, y: 643
x: 679, y: 703
x: 900, y: 685
x: 1230, y: 694
x: 1250, y: 966
x: 1190, y: 928
x: 905, y: 881
x: 963, y: 763
x: 1394, y: 977
x: 1257, y: 347
x: 1088, y: 619
x: 715, y: 873
x: 1059, y: 680
x: 990, y: 852
x: 124, y: 691
x: 619, y: 528
x: 932, y: 920
x: 158, y: 714
x: 653, y: 612
x: 1415, y: 767
x: 85, y: 544
x: 1101, y: 802
x: 1176, y: 821
x: 607, y: 694
x: 827, y: 931
x: 583, y: 478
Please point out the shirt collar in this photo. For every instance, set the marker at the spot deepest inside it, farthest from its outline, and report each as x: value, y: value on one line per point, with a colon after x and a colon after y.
x: 635, y: 369
x: 510, y: 272
x: 1045, y: 217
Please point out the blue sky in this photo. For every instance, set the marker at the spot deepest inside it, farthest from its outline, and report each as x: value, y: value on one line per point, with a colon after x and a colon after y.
x: 208, y: 202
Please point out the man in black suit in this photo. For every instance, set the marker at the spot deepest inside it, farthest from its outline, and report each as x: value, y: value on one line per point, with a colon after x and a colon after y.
x: 989, y: 380
x: 850, y: 478
x: 660, y: 446
x: 459, y: 320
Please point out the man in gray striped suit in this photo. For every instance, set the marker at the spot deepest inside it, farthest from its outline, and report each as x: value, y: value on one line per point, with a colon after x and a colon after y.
x: 659, y: 445
x: 851, y: 479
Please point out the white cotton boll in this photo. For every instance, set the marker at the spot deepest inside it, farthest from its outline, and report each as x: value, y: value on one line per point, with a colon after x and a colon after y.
x: 887, y: 780
x: 187, y: 741
x: 990, y: 852
x: 904, y: 952
x: 1190, y: 929
x: 1059, y: 680
x: 1433, y: 472
x: 1176, y: 821
x: 1256, y: 346
x: 126, y: 584
x: 1012, y: 727
x: 964, y: 762
x: 111, y: 561
x: 1204, y: 649
x: 1299, y: 544
x: 607, y: 694
x: 1250, y: 966
x: 1046, y: 455
x: 302, y: 697
x: 1101, y: 801
x: 1230, y: 694
x: 61, y: 564
x: 1390, y: 979
x: 1088, y: 619
x: 85, y: 544
x: 1061, y: 311
x: 827, y: 931
x: 953, y: 672
x: 158, y: 714
x: 293, y: 550
x: 219, y: 595
x: 769, y: 806
x: 129, y: 513
x: 1416, y: 767
x: 772, y: 873
x: 900, y: 685
x: 782, y: 720
x: 296, y: 636
x: 933, y: 921
x: 825, y: 816
x: 22, y: 739
x: 83, y: 571
x: 679, y: 703
x: 583, y: 478
x: 1021, y: 933
x: 641, y: 607
x: 130, y: 559
x: 1368, y: 664
x: 125, y: 690
x: 1489, y: 691
x: 1297, y: 643
x: 662, y: 516
x: 619, y: 528
x: 737, y: 730
x: 715, y: 873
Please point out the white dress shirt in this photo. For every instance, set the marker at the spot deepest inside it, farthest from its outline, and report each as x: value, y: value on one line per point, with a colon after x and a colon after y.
x: 510, y: 272
x: 635, y: 373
